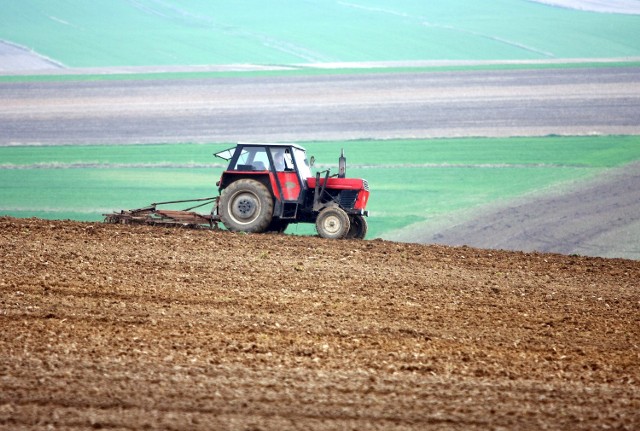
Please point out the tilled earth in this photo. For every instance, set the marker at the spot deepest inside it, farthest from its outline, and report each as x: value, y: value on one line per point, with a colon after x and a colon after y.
x: 136, y: 327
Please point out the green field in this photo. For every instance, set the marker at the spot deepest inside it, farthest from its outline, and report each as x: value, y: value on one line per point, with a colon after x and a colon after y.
x: 100, y: 33
x: 444, y: 175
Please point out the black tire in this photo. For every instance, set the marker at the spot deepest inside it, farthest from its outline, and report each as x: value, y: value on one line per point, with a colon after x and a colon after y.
x: 359, y: 227
x: 246, y: 206
x: 333, y: 223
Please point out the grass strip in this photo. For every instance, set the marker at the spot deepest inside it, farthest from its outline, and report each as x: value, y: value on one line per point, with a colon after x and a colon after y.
x: 300, y: 71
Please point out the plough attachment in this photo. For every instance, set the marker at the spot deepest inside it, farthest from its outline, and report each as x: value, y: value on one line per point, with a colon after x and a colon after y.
x: 151, y: 215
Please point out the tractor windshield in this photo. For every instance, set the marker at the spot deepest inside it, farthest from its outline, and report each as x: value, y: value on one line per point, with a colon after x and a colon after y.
x: 302, y: 163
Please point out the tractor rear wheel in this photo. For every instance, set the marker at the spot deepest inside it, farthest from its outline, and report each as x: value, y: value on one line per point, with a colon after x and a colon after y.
x: 333, y: 223
x: 358, y: 228
x: 246, y: 205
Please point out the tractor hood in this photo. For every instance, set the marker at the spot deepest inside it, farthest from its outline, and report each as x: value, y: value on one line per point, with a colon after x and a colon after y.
x: 340, y: 183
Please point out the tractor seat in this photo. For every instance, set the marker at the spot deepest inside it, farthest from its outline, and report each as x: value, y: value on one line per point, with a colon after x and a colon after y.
x: 259, y: 166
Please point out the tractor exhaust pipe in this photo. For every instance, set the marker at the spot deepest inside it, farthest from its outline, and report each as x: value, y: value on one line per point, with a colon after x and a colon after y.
x: 342, y: 165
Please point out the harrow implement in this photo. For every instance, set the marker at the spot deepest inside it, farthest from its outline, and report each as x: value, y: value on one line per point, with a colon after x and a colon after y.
x: 151, y: 215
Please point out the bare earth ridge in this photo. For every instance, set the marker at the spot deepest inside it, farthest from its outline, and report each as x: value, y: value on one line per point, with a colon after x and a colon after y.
x: 595, y: 217
x: 109, y: 326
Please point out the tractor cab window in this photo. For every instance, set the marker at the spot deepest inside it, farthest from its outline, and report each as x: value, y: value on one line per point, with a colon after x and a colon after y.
x: 302, y: 163
x: 282, y: 159
x: 252, y: 159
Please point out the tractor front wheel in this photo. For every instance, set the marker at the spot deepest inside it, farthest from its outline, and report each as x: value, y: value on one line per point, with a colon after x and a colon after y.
x: 358, y: 228
x: 333, y: 223
x: 246, y: 205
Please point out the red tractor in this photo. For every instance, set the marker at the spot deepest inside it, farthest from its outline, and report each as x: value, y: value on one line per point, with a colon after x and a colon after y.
x: 265, y: 188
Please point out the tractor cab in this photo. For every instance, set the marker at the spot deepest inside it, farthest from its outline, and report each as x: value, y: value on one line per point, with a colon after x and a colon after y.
x: 268, y: 186
x: 284, y: 169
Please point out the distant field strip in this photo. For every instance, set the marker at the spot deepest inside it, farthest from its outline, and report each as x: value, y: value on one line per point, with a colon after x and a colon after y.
x: 598, y: 216
x: 97, y: 165
x: 79, y: 74
x: 607, y: 6
x: 306, y: 107
x: 171, y: 32
x: 15, y: 57
x: 467, y: 165
x: 424, y: 21
x: 442, y: 176
x: 169, y: 165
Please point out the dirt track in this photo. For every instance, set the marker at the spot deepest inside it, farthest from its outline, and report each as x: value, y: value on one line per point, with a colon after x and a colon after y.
x: 107, y: 326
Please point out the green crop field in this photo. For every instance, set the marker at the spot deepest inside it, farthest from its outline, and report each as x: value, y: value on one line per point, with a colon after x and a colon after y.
x: 444, y: 175
x: 80, y: 33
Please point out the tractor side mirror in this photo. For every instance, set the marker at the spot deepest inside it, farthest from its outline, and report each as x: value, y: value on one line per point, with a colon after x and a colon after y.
x: 312, y: 161
x: 342, y: 165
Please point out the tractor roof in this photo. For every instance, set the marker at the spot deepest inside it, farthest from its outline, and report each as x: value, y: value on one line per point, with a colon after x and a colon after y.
x: 269, y: 144
x: 228, y: 153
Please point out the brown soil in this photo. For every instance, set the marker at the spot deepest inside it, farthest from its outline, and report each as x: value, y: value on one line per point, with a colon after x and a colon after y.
x: 135, y: 327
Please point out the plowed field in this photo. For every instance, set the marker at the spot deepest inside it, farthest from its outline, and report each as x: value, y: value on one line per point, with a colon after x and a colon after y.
x: 135, y: 327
